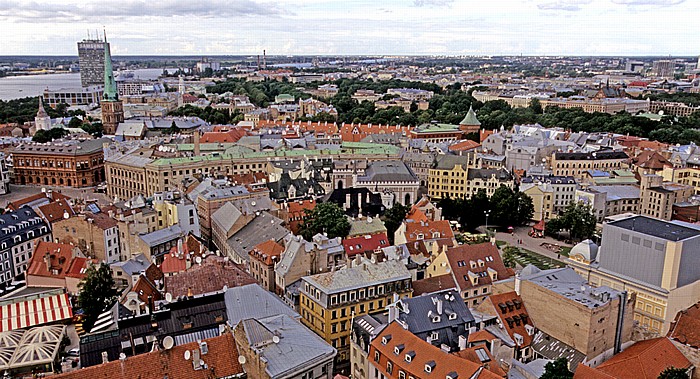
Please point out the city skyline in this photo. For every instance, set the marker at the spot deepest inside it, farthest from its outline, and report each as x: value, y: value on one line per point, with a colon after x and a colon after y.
x: 328, y: 27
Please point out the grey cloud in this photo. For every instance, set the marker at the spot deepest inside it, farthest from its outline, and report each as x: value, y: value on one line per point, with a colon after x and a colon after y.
x: 563, y: 5
x: 80, y: 11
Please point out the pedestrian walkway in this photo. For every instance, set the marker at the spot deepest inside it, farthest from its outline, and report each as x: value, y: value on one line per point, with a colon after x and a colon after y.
x: 520, y: 238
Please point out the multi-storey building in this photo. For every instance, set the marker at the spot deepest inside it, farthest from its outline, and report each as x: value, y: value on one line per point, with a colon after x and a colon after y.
x: 73, y: 96
x: 91, y: 57
x: 390, y: 177
x: 576, y: 164
x: 689, y: 176
x: 606, y: 201
x: 650, y: 258
x: 69, y: 163
x: 19, y: 230
x: 262, y: 262
x: 173, y: 208
x: 95, y: 234
x: 657, y: 197
x: 329, y: 301
x: 451, y: 176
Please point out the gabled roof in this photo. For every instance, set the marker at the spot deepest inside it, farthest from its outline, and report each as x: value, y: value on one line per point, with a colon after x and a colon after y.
x: 359, y: 276
x: 643, y: 360
x: 513, y: 315
x: 252, y: 301
x: 267, y: 251
x: 422, y: 313
x: 433, y: 284
x: 464, y: 145
x: 365, y: 243
x: 428, y: 230
x: 213, y: 274
x: 686, y: 326
x: 60, y: 258
x: 55, y: 210
x: 221, y: 360
x: 485, y: 256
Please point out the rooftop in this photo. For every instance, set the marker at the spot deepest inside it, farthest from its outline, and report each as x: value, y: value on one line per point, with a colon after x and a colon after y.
x: 252, y: 301
x: 567, y: 283
x: 656, y: 228
x: 367, y: 274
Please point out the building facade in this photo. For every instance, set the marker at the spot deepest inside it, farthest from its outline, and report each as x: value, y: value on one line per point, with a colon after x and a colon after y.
x: 91, y: 57
x: 576, y: 164
x: 21, y: 230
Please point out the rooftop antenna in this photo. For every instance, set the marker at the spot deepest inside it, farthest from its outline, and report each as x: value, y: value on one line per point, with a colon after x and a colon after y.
x: 104, y: 32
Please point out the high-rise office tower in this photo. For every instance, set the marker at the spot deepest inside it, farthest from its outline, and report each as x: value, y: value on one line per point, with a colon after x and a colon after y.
x: 112, y: 107
x: 664, y: 68
x: 91, y: 56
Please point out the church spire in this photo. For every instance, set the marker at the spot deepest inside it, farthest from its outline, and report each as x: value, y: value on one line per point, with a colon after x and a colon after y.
x: 42, y: 111
x: 110, y: 93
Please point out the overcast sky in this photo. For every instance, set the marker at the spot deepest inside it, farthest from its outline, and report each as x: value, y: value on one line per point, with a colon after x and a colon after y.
x: 286, y: 27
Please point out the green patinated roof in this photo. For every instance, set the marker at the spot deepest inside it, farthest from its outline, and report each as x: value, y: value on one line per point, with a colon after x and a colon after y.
x: 617, y: 180
x: 233, y: 153
x: 110, y: 93
x: 209, y: 146
x: 436, y: 128
x: 470, y: 118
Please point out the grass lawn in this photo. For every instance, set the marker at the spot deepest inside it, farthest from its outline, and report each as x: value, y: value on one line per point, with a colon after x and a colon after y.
x: 525, y: 257
x: 501, y: 243
x: 565, y: 250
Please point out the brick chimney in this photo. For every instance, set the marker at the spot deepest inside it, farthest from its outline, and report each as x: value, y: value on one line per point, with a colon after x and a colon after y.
x: 196, y: 143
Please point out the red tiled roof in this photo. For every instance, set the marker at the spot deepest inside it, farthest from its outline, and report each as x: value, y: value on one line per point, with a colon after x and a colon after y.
x: 585, y: 372
x: 221, y: 361
x: 212, y: 275
x: 481, y: 335
x: 364, y: 244
x: 650, y: 159
x: 227, y: 136
x: 145, y: 289
x: 50, y: 196
x: 433, y: 284
x: 460, y: 259
x: 173, y: 262
x: 248, y: 178
x: 441, y: 363
x: 77, y: 268
x: 266, y: 252
x: 54, y: 211
x: 464, y: 145
x: 643, y: 360
x: 512, y: 318
x: 60, y: 256
x: 686, y: 327
x: 416, y: 215
x: 427, y: 229
x: 471, y: 355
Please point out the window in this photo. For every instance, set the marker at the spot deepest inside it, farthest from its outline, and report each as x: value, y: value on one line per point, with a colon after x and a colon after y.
x: 376, y: 356
x: 389, y: 367
x: 402, y: 375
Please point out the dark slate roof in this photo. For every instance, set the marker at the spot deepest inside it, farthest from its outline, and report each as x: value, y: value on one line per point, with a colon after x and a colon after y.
x: 448, y: 162
x: 23, y: 220
x: 173, y: 319
x: 595, y: 155
x: 304, y: 187
x: 657, y: 228
x: 388, y: 171
x: 263, y: 227
x: 484, y: 173
x: 422, y: 309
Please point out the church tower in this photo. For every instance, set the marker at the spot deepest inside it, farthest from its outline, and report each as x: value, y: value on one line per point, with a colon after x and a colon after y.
x: 180, y: 91
x: 42, y: 121
x: 112, y: 107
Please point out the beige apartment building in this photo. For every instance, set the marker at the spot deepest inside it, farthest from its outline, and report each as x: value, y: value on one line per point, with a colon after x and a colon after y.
x: 576, y: 164
x: 657, y: 197
x: 689, y: 176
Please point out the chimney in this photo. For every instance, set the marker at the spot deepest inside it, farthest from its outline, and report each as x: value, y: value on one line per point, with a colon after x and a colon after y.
x: 105, y: 357
x: 438, y: 306
x: 189, y: 292
x: 620, y: 321
x: 393, y: 313
x: 518, y: 281
x: 196, y: 143
x: 47, y: 261
x: 462, y: 342
x: 179, y: 248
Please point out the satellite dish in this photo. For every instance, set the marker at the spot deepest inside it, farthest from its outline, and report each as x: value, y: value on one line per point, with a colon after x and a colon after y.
x: 275, y: 339
x: 241, y: 359
x: 198, y: 260
x: 168, y: 297
x: 187, y: 355
x: 447, y: 270
x: 122, y: 356
x: 168, y: 342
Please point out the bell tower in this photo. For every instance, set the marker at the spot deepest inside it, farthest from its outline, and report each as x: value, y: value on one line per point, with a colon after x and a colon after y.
x: 112, y: 107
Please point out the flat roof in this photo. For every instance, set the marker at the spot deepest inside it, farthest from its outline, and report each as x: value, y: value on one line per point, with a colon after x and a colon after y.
x: 656, y: 228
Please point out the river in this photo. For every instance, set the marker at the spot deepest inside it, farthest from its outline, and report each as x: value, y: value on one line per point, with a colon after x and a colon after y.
x: 15, y: 87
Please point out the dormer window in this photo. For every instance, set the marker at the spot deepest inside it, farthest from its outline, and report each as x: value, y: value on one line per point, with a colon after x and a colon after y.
x: 386, y: 339
x: 398, y: 349
x: 409, y: 356
x: 429, y: 366
x: 451, y: 375
x: 434, y: 336
x: 436, y: 319
x: 452, y: 316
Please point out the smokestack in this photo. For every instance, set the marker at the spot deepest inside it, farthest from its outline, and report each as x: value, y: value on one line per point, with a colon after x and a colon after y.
x: 462, y: 342
x: 264, y: 60
x: 620, y: 321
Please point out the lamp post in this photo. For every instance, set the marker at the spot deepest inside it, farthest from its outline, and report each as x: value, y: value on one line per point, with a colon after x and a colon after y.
x: 486, y: 213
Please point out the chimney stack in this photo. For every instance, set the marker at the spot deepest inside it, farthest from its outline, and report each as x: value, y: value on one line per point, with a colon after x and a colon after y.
x: 196, y: 143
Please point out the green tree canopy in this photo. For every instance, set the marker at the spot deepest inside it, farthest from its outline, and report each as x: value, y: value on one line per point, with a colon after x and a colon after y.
x: 97, y: 292
x: 393, y: 219
x: 577, y: 218
x: 43, y: 136
x: 325, y: 218
x: 674, y: 373
x: 557, y: 370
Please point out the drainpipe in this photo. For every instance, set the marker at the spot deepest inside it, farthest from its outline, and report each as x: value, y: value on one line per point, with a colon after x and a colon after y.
x: 620, y: 320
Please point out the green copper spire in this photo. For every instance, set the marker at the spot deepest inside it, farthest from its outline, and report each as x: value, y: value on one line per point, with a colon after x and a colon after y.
x: 110, y: 93
x: 470, y: 118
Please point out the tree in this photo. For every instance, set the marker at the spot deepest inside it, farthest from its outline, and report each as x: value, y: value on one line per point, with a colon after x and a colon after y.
x: 536, y: 106
x: 97, y: 292
x: 325, y: 218
x: 557, y: 370
x: 173, y: 129
x: 393, y: 219
x: 43, y: 136
x: 95, y: 129
x: 75, y: 123
x: 674, y: 373
x: 510, y: 208
x: 579, y: 219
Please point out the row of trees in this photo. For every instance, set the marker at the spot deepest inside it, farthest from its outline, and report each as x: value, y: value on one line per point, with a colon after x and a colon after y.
x: 209, y: 114
x: 24, y: 110
x: 505, y: 208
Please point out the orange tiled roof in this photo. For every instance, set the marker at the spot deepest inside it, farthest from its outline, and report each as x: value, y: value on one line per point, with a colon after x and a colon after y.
x: 464, y: 145
x: 686, y: 327
x: 471, y: 355
x: 427, y: 229
x: 481, y: 335
x: 416, y: 215
x: 145, y: 288
x: 643, y: 360
x: 54, y: 211
x: 224, y: 136
x: 221, y: 361
x: 51, y: 196
x: 365, y: 243
x: 60, y: 256
x: 512, y: 318
x: 433, y: 284
x: 212, y: 275
x: 442, y: 364
x: 460, y: 259
x: 266, y: 251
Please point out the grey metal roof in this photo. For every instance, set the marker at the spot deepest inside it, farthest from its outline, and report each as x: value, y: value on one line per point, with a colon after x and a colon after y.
x: 567, y: 283
x: 162, y: 236
x: 486, y: 173
x: 388, y: 171
x: 252, y: 301
x: 134, y: 265
x: 297, y: 348
x: 656, y: 228
x: 366, y: 274
x: 448, y: 162
x: 617, y: 192
x: 226, y: 216
x: 262, y: 228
